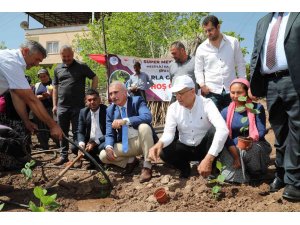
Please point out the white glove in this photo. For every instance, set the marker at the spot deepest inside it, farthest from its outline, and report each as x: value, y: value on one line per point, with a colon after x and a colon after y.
x: 82, y: 145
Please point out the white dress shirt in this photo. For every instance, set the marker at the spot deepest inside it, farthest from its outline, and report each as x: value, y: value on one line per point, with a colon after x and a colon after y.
x: 281, y: 63
x: 12, y: 67
x: 96, y: 132
x: 217, y: 67
x: 193, y: 124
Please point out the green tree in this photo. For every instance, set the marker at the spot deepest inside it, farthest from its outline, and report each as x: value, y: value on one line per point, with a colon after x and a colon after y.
x: 141, y: 34
x: 2, y: 45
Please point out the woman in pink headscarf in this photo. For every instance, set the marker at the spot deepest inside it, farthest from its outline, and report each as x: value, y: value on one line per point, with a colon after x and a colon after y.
x: 242, y: 165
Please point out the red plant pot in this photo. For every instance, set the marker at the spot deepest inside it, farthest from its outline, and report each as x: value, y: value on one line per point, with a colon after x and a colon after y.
x: 244, y: 143
x: 161, y: 195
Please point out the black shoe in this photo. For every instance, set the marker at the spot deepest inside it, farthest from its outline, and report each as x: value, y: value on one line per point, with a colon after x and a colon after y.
x: 276, y: 185
x: 60, y: 161
x: 291, y: 192
x: 185, y: 173
x: 130, y: 167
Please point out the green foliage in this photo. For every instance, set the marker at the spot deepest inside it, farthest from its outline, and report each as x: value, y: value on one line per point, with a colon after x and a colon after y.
x: 248, y: 107
x: 47, y: 202
x: 1, y: 206
x: 216, y: 189
x: 2, y: 45
x: 26, y: 171
x: 140, y: 34
x: 32, y: 73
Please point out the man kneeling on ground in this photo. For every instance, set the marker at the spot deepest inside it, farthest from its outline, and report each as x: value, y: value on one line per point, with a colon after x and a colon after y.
x: 92, y: 126
x: 128, y: 132
x: 202, y: 131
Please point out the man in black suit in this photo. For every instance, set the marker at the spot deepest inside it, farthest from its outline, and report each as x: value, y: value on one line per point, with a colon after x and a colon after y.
x: 275, y: 73
x: 92, y: 125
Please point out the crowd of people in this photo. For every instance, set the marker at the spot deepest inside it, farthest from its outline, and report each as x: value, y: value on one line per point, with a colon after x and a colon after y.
x: 204, y: 118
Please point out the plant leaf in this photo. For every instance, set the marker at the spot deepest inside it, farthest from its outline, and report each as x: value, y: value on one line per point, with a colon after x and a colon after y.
x: 34, y: 208
x: 244, y: 119
x: 242, y: 98
x: 240, y: 109
x: 221, y: 178
x: 216, y: 189
x: 53, y: 206
x: 255, y: 111
x: 212, y: 181
x: 53, y: 196
x: 1, y: 206
x: 46, y: 200
x: 219, y: 165
x: 249, y: 105
x: 38, y: 192
x: 31, y: 163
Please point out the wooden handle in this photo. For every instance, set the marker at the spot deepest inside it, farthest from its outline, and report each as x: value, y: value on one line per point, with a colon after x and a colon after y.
x: 51, y: 183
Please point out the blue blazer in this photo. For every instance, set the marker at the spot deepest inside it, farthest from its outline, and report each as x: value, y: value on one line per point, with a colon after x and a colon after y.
x: 137, y: 112
x: 84, y: 123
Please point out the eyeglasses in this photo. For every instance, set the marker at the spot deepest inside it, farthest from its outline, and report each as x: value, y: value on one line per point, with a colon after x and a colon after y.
x: 182, y: 92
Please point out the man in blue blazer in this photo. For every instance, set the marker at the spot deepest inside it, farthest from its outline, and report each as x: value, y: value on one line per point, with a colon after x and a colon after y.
x: 275, y: 73
x: 92, y: 125
x: 128, y: 132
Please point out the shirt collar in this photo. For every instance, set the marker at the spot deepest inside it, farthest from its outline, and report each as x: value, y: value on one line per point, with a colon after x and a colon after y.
x: 125, y: 105
x: 96, y: 113
x: 224, y: 38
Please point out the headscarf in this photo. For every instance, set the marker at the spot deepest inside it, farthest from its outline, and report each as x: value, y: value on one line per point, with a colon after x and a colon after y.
x: 253, y: 132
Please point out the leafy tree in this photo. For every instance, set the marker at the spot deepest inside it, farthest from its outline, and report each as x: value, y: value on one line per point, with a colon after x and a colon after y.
x: 141, y: 34
x: 2, y: 45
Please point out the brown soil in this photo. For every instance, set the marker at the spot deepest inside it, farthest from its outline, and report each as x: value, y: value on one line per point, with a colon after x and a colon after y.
x: 79, y: 191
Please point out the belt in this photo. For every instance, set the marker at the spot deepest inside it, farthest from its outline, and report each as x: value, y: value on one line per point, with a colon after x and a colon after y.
x: 278, y: 74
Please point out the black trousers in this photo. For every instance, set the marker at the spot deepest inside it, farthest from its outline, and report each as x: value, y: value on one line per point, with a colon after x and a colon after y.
x: 179, y: 155
x: 221, y: 100
x: 283, y: 104
x: 65, y: 116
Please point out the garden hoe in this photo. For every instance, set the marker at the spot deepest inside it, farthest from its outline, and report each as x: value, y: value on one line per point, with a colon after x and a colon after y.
x: 51, y: 183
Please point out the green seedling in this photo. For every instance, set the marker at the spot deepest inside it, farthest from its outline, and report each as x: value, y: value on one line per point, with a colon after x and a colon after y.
x: 249, y: 107
x: 216, y: 189
x: 1, y: 206
x: 27, y: 171
x: 47, y: 202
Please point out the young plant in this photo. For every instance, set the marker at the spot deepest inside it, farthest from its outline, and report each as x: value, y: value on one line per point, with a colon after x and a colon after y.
x: 47, y: 202
x: 216, y: 189
x: 248, y: 107
x: 27, y: 171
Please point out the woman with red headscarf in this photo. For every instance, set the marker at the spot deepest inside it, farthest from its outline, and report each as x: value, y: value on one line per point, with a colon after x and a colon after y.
x: 242, y: 165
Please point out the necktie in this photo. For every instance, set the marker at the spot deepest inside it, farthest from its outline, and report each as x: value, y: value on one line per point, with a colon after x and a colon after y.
x: 271, y: 48
x: 124, y: 132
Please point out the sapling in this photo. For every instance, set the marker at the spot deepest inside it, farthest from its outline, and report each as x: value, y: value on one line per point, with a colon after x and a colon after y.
x: 47, y: 202
x: 249, y: 107
x: 27, y: 171
x: 216, y: 189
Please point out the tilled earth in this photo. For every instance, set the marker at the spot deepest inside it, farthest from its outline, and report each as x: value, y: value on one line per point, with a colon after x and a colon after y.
x: 78, y: 190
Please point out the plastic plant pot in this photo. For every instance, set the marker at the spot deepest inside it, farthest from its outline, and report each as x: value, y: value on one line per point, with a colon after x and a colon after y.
x: 161, y: 196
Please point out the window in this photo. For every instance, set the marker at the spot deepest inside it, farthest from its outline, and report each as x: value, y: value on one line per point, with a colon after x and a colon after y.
x: 52, y: 47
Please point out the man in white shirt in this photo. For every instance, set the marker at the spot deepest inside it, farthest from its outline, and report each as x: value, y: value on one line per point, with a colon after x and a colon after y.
x: 92, y: 126
x: 12, y: 66
x: 195, y: 118
x: 218, y: 61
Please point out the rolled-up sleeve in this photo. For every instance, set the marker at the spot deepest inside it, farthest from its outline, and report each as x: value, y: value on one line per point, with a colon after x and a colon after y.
x: 170, y: 127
